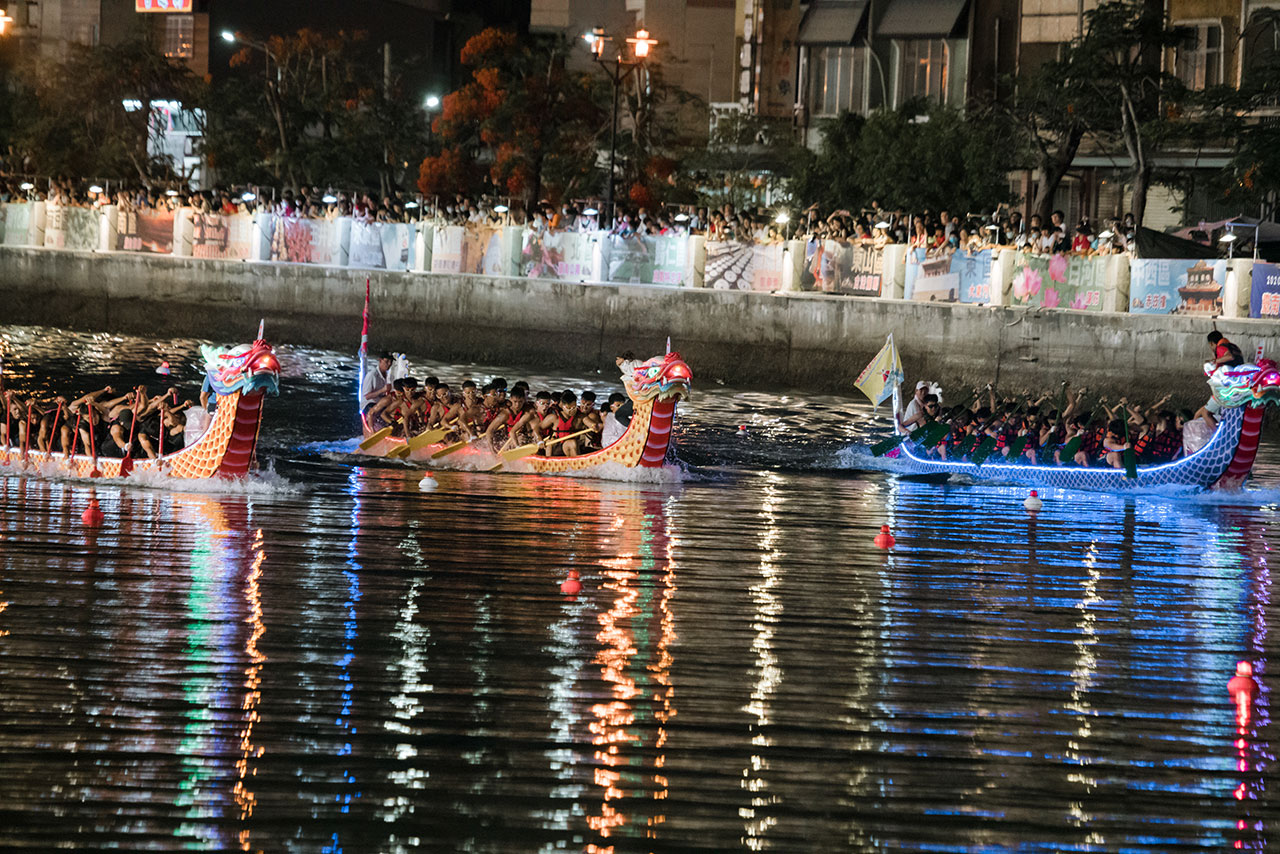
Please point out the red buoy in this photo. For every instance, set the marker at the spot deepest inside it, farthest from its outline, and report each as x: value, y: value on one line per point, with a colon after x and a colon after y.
x: 571, y: 586
x: 92, y: 516
x: 1242, y: 686
x: 884, y: 540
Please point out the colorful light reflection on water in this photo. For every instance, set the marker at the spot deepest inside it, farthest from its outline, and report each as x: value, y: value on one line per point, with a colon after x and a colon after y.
x: 349, y: 665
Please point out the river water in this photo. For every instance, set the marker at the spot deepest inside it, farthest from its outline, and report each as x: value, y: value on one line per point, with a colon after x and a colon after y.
x: 326, y: 659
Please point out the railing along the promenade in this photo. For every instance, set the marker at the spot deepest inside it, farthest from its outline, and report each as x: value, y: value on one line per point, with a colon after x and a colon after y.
x: 991, y: 276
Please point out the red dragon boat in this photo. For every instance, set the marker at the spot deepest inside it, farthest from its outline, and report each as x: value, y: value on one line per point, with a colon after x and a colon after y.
x: 240, y: 377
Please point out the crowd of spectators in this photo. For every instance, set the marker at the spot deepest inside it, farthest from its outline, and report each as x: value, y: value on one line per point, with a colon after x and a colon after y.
x: 939, y: 233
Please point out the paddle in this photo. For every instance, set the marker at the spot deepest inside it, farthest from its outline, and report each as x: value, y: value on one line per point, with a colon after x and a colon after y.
x: 1129, y: 457
x: 375, y: 438
x: 1072, y: 447
x: 924, y: 433
x: 988, y: 443
x: 426, y: 437
x: 529, y: 450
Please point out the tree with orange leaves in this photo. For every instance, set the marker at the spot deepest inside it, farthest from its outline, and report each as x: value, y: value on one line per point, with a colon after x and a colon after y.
x: 531, y: 119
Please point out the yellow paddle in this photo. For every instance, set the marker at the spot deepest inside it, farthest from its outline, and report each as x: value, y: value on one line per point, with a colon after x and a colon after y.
x: 426, y: 437
x: 529, y: 450
x: 375, y: 438
x: 456, y: 446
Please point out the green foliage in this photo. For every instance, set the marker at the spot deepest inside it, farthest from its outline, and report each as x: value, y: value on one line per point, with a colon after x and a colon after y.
x: 77, y: 123
x: 825, y: 179
x: 313, y: 108
x: 920, y: 156
x: 745, y: 156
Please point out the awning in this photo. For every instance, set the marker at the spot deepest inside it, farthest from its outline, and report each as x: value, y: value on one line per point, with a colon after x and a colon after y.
x: 831, y: 22
x: 920, y: 19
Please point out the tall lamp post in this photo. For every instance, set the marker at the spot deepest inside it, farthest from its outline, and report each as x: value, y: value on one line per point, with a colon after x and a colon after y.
x: 618, y: 69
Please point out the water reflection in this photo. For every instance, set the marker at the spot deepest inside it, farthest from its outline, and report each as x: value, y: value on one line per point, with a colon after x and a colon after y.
x: 361, y: 667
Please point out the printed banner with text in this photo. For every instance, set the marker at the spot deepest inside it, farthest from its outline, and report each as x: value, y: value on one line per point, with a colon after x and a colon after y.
x: 1059, y: 281
x: 1176, y: 286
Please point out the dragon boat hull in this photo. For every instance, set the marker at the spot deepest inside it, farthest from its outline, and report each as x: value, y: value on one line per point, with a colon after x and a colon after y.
x: 239, y: 378
x: 662, y: 382
x: 1224, y: 462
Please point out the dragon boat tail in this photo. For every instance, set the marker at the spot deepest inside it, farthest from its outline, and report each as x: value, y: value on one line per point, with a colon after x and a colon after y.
x: 240, y: 377
x: 657, y: 386
x: 1225, y: 461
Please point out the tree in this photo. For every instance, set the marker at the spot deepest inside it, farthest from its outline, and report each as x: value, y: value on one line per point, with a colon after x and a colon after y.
x: 920, y: 156
x: 532, y: 119
x: 79, y: 122
x: 1125, y: 96
x: 329, y: 114
x: 826, y: 179
x: 1051, y: 109
x: 743, y: 155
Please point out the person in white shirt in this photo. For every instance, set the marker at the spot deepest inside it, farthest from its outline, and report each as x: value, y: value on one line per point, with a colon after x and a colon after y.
x: 915, y: 407
x: 376, y: 382
x: 613, y: 428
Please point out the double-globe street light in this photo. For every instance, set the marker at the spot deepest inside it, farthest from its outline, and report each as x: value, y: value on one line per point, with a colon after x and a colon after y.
x: 619, y: 69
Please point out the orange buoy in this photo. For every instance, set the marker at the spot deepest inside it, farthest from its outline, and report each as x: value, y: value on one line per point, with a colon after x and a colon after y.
x: 571, y: 586
x: 92, y: 516
x: 884, y: 540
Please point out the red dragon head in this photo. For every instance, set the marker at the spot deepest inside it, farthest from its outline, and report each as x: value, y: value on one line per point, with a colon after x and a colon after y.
x: 662, y: 377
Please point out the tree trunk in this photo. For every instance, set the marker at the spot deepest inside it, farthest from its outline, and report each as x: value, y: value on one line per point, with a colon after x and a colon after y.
x: 1052, y: 169
x: 1133, y: 142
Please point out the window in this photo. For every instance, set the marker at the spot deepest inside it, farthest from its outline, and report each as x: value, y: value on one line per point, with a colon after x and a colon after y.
x: 179, y: 36
x: 1198, y: 58
x: 1261, y: 42
x: 837, y: 81
x: 923, y: 71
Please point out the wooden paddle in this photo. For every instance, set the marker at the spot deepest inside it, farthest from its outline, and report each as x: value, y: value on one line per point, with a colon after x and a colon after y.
x: 375, y: 438
x: 426, y: 437
x: 988, y: 443
x: 529, y: 450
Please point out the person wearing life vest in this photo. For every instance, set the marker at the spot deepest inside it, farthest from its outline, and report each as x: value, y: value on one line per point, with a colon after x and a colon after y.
x: 563, y: 420
x: 1225, y: 355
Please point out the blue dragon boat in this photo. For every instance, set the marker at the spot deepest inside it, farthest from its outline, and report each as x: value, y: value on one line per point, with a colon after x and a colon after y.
x: 1224, y: 462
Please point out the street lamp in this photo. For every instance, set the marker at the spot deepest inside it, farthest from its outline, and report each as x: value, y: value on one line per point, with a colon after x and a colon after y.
x: 618, y: 69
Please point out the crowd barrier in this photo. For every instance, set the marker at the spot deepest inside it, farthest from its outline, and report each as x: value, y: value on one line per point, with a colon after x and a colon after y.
x: 1113, y: 283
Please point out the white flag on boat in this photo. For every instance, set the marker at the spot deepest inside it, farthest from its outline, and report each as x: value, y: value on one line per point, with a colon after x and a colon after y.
x: 879, y: 378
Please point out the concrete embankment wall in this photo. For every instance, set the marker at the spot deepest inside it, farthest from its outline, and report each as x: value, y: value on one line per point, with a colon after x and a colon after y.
x: 806, y: 341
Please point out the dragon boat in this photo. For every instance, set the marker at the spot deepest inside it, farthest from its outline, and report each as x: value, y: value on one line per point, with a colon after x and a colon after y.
x: 1225, y: 461
x: 656, y: 386
x: 240, y: 377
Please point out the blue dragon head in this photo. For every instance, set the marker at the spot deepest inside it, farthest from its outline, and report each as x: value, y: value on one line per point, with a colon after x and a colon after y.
x: 245, y: 368
x: 1252, y: 385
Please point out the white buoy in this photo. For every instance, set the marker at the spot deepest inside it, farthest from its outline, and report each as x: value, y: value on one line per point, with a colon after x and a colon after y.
x: 1033, y: 502
x: 742, y: 429
x: 427, y: 484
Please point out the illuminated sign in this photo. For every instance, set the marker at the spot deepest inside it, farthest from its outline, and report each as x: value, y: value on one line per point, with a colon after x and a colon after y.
x: 162, y: 5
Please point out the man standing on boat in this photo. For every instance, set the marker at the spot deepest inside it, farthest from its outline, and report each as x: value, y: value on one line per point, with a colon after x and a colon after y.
x: 1225, y: 355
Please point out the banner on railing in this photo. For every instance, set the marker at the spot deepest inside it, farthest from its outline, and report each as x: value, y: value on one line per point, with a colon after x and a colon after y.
x: 67, y: 227
x: 381, y: 245
x: 220, y: 236
x: 962, y: 276
x: 304, y: 241
x: 839, y: 267
x: 17, y: 226
x: 1176, y: 286
x: 1264, y: 291
x: 564, y: 255
x: 145, y: 231
x: 1059, y: 281
x: 744, y: 266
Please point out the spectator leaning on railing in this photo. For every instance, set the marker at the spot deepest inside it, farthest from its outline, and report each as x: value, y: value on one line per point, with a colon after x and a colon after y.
x: 937, y: 234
